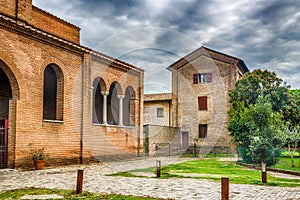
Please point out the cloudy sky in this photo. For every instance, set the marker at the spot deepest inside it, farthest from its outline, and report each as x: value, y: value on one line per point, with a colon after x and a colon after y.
x: 152, y: 34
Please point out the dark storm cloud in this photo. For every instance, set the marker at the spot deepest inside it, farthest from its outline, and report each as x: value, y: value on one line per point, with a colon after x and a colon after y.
x: 264, y: 33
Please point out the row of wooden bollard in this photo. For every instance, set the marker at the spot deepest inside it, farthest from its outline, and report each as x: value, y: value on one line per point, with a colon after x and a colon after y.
x: 224, y: 180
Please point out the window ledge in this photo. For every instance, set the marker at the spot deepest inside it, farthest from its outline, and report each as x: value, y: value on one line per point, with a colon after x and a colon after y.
x: 115, y: 126
x: 53, y: 121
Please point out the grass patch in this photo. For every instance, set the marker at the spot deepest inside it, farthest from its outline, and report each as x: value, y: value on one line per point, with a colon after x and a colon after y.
x: 287, y: 154
x: 286, y: 164
x: 212, y: 169
x: 211, y: 155
x: 68, y: 194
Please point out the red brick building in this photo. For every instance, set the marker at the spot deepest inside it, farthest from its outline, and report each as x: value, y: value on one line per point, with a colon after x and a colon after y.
x: 76, y: 103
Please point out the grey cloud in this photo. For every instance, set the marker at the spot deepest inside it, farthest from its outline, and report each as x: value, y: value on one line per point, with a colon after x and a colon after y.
x: 264, y: 33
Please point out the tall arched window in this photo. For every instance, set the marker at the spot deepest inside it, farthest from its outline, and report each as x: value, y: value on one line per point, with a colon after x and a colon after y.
x: 113, y: 104
x: 53, y: 93
x: 129, y: 107
x: 99, y: 87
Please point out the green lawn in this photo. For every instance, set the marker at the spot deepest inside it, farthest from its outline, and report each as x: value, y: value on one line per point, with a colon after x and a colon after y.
x: 286, y: 164
x: 213, y: 169
x: 68, y: 194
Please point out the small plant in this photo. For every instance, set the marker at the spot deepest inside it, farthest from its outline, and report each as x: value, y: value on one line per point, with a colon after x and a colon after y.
x: 37, y: 154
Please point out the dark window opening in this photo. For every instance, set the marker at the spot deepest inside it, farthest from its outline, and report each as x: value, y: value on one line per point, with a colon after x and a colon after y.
x: 129, y: 107
x: 202, y: 130
x: 97, y: 102
x: 53, y: 93
x: 50, y: 89
x: 113, y: 105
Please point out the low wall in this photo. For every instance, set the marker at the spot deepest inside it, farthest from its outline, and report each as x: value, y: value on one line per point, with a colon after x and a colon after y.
x: 161, y: 140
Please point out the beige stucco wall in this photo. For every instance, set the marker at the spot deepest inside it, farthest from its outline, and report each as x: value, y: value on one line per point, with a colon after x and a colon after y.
x: 185, y: 113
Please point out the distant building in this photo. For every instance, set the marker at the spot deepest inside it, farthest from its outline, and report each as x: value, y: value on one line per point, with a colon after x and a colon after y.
x: 157, y: 109
x: 199, y: 103
x: 76, y: 103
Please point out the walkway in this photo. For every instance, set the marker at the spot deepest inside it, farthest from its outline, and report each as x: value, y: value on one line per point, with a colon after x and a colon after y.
x: 96, y: 181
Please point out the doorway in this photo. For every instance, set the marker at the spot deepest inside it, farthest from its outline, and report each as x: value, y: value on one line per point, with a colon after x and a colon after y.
x: 5, y: 96
x: 185, y: 140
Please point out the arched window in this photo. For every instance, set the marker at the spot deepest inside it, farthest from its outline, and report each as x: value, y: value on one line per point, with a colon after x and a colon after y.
x: 113, y: 104
x: 53, y: 93
x: 99, y: 87
x: 129, y: 107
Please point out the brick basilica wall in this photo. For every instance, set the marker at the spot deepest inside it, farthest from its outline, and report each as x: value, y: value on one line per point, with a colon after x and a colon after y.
x: 25, y: 53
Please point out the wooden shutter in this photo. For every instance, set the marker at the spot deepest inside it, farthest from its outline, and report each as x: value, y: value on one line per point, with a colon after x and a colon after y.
x: 202, y: 103
x: 209, y: 77
x: 195, y: 78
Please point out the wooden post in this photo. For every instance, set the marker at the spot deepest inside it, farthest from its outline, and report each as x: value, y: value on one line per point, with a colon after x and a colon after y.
x: 263, y: 172
x: 79, y: 181
x: 158, y: 165
x: 225, y: 188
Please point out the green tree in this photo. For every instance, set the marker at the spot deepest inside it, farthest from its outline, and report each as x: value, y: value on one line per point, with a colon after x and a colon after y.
x: 292, y: 137
x: 258, y: 130
x: 268, y: 134
x: 293, y: 107
x: 260, y: 105
x: 267, y: 84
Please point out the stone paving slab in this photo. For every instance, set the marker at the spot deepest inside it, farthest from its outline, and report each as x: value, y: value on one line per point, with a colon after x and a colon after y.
x: 176, y: 188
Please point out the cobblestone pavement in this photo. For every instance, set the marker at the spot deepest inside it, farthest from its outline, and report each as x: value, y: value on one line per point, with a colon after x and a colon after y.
x: 96, y: 181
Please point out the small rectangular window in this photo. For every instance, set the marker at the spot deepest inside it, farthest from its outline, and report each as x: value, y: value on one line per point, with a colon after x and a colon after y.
x: 160, y: 112
x: 202, y: 130
x: 205, y: 78
x: 202, y: 103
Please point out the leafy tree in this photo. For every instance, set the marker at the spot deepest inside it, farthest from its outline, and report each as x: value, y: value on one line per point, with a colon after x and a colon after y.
x: 268, y: 134
x: 292, y: 137
x: 267, y: 84
x: 258, y: 129
x: 293, y: 107
x: 260, y: 105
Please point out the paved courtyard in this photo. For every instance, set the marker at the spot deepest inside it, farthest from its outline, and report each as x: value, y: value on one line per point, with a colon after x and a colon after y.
x: 96, y: 181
